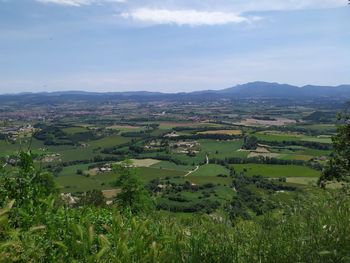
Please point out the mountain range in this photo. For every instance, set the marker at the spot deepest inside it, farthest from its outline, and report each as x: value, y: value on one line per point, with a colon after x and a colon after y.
x: 257, y: 90
x: 261, y: 89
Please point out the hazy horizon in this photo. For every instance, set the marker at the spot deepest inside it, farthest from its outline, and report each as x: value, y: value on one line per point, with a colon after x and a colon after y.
x: 171, y: 46
x: 164, y: 92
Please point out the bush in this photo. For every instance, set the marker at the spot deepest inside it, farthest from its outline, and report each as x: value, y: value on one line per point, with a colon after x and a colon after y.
x: 317, y: 231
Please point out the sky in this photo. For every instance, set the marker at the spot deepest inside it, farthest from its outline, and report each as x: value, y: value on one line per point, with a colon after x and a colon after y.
x: 171, y: 46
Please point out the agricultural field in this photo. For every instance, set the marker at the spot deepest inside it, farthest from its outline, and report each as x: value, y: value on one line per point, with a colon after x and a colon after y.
x: 222, y: 149
x: 109, y: 141
x: 267, y: 122
x: 75, y: 129
x: 70, y: 181
x: 211, y: 170
x: 271, y: 170
x: 172, y: 166
x: 289, y: 136
x: 302, y: 180
x: 189, y: 154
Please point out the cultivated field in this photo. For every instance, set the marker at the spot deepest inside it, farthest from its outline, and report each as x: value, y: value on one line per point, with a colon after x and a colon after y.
x: 269, y: 170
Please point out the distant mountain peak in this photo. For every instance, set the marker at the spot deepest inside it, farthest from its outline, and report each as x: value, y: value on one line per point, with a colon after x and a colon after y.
x: 256, y: 89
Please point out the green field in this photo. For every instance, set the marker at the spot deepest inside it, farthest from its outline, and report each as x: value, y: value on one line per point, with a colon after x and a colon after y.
x: 269, y: 170
x: 326, y: 128
x: 8, y: 148
x: 148, y: 173
x: 75, y: 129
x: 69, y: 181
x: 297, y: 157
x: 72, y: 170
x: 222, y: 149
x: 302, y: 180
x: 67, y: 152
x: 72, y: 153
x: 172, y: 166
x: 279, y: 137
x: 109, y: 141
x: 211, y: 170
x: 225, y: 181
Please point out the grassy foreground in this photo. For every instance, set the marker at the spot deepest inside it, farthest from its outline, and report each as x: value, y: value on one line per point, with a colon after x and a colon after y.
x: 316, y: 230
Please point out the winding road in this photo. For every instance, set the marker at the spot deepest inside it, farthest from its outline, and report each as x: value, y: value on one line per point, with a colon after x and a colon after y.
x: 197, y: 167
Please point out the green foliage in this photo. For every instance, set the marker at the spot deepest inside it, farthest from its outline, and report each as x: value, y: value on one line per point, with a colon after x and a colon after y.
x: 211, y: 170
x: 338, y: 167
x: 93, y: 197
x: 57, y: 135
x: 249, y: 199
x: 316, y: 230
x: 275, y: 170
x: 4, y: 221
x: 250, y: 143
x: 28, y: 187
x: 320, y: 116
x: 133, y: 195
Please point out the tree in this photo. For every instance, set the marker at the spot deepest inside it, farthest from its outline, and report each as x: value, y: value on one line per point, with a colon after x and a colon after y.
x: 338, y: 168
x: 250, y: 143
x: 133, y: 195
x: 93, y: 197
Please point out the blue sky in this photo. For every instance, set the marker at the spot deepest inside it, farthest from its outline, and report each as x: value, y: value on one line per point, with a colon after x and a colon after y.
x: 169, y: 46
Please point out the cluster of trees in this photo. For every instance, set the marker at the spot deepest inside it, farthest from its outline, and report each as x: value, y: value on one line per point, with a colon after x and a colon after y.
x: 172, y: 187
x: 311, y: 132
x: 250, y: 143
x: 172, y: 200
x: 205, y: 206
x: 95, y: 159
x: 137, y: 134
x: 121, y: 149
x: 85, y: 136
x: 207, y: 136
x: 91, y: 198
x: 263, y: 118
x: 241, y: 181
x: 247, y: 203
x: 54, y: 135
x: 338, y: 168
x: 265, y: 160
x: 3, y: 136
x: 201, y: 128
x: 321, y: 117
x: 258, y: 159
x: 133, y: 195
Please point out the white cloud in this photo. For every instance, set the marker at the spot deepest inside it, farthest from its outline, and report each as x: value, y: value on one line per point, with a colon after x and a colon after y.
x: 77, y: 2
x: 66, y: 2
x: 285, y: 5
x: 237, y: 6
x: 183, y: 17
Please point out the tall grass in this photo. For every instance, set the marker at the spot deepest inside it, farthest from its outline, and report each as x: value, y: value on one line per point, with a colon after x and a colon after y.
x: 317, y: 230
